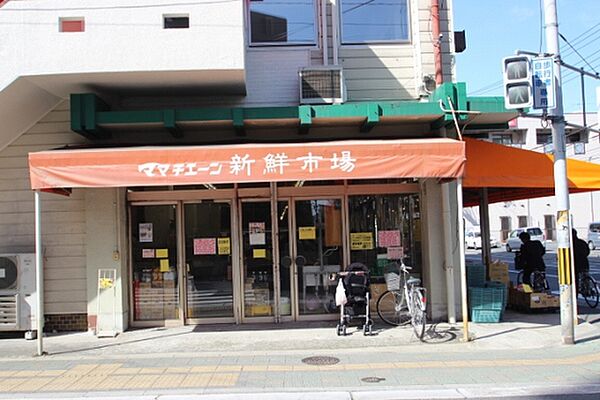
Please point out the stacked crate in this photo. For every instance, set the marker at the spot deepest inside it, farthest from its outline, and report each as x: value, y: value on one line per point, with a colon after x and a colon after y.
x: 487, y: 299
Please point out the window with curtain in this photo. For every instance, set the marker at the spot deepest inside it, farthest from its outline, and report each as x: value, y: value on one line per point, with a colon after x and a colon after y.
x: 283, y: 22
x: 365, y: 21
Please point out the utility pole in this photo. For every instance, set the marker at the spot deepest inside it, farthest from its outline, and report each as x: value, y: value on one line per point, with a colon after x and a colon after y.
x: 561, y: 188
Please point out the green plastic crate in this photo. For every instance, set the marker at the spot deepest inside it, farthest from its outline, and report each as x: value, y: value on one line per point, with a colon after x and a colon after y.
x: 486, y: 316
x: 475, y: 275
x: 486, y: 298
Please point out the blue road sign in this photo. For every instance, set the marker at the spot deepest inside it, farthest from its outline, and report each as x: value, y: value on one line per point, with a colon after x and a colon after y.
x: 543, y: 83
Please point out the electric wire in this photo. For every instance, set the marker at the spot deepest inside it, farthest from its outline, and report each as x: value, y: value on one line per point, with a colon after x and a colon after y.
x: 575, y: 50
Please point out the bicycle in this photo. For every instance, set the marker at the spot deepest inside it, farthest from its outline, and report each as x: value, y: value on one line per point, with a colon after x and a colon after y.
x: 538, y: 280
x: 399, y: 306
x: 588, y: 288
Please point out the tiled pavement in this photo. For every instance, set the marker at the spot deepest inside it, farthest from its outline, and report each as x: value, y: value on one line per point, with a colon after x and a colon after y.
x: 505, y: 355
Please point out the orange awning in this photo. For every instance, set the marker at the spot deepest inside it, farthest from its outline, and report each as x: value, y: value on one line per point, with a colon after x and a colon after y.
x: 512, y: 174
x: 185, y: 165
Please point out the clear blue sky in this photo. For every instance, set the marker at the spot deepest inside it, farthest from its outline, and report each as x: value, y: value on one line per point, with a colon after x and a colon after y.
x: 495, y: 29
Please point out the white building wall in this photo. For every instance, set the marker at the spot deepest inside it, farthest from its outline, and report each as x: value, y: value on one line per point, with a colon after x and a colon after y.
x: 63, y: 218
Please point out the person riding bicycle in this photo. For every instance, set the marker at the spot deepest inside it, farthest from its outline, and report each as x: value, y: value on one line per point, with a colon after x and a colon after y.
x: 581, y: 251
x: 531, y: 258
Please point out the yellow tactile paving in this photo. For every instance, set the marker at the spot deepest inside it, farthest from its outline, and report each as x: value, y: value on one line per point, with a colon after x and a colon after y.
x: 223, y: 380
x: 82, y: 369
x: 8, y: 384
x: 106, y: 369
x: 114, y: 382
x: 204, y: 368
x: 178, y: 370
x: 228, y: 368
x: 152, y: 370
x: 87, y: 383
x: 195, y: 381
x: 280, y: 368
x: 30, y: 385
x: 141, y: 381
x: 168, y: 381
x: 126, y: 371
x: 5, y: 374
x: 254, y: 368
x: 26, y: 374
x: 60, y: 384
x: 52, y: 372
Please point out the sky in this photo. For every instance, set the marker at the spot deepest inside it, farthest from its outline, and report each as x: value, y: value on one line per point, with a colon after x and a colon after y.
x: 496, y: 28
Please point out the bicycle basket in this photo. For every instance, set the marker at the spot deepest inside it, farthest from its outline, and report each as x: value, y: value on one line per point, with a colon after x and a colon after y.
x: 392, y: 281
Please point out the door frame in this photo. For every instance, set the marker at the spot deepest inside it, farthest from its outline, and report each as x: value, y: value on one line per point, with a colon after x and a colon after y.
x: 234, y: 267
x: 294, y: 250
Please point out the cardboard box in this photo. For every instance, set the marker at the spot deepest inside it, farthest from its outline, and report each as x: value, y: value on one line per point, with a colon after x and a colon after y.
x: 377, y: 289
x: 532, y: 301
x: 498, y: 272
x: 258, y: 310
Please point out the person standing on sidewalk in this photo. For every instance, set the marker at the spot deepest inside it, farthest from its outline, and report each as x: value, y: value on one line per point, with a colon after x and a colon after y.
x: 531, y: 259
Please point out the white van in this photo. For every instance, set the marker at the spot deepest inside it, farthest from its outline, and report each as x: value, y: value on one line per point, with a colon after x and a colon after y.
x: 594, y: 235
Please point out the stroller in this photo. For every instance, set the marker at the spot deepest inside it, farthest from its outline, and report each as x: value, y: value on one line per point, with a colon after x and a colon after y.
x: 356, y: 283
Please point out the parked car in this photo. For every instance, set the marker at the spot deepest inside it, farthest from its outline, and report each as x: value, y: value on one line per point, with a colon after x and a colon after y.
x: 514, y: 243
x: 594, y: 235
x: 473, y: 240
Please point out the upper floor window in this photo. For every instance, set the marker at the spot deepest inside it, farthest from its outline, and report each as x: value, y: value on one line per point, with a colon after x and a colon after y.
x: 365, y: 21
x: 176, y: 21
x: 71, y: 24
x: 285, y: 22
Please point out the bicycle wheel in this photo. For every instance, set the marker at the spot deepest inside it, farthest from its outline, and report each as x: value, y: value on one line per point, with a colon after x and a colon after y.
x: 589, y: 290
x: 540, y: 284
x: 418, y: 317
x: 392, y: 308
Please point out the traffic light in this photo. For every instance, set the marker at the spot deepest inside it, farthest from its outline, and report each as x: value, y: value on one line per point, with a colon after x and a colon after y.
x: 518, y: 82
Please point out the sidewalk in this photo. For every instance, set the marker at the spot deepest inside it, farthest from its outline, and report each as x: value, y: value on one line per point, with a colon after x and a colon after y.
x: 524, y: 354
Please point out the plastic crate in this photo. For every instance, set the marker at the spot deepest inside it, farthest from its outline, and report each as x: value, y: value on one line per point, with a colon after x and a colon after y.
x: 475, y: 275
x: 486, y: 298
x: 502, y: 287
x: 485, y: 316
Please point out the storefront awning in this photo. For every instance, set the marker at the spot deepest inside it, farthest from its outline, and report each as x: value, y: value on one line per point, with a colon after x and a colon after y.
x: 511, y: 174
x: 185, y: 165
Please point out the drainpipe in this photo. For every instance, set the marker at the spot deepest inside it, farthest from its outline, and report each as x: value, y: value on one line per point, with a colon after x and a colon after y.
x: 448, y: 256
x: 463, y: 268
x: 437, y: 41
x: 39, y: 273
x: 324, y: 32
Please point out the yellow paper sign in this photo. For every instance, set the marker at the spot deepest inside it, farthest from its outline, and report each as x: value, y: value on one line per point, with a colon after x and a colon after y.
x: 105, y: 283
x: 224, y: 245
x: 162, y: 253
x: 259, y: 253
x: 307, y: 233
x: 361, y: 241
x: 164, y: 265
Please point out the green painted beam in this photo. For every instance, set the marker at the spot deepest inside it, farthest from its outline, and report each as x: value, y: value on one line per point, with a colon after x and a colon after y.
x: 170, y: 121
x: 237, y: 116
x: 305, y: 115
x: 372, y: 118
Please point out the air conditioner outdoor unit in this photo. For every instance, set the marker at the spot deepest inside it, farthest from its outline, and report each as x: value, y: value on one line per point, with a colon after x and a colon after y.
x: 322, y: 85
x: 18, y: 297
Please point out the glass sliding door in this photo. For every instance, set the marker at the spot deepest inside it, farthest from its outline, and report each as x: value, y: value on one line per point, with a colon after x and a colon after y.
x: 154, y: 262
x: 208, y: 260
x: 318, y: 253
x: 257, y: 259
x: 285, y: 259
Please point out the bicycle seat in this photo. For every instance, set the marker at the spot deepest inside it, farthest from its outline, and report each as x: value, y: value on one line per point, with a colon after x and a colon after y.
x: 414, y: 281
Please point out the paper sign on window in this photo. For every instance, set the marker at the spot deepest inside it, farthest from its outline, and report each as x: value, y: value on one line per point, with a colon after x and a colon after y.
x: 206, y: 246
x: 164, y: 265
x: 257, y: 233
x: 224, y: 245
x: 388, y: 238
x: 259, y: 253
x: 361, y: 241
x: 395, y: 253
x: 147, y: 253
x: 162, y: 253
x: 307, y: 233
x: 146, y: 234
